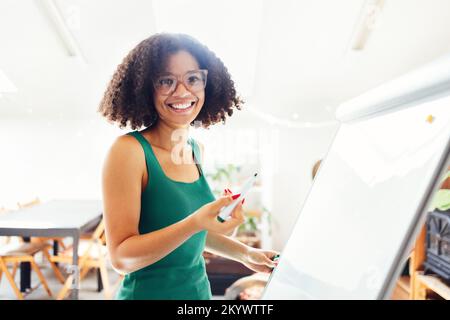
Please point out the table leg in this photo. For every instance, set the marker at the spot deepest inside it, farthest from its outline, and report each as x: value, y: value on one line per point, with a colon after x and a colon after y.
x: 55, y: 250
x: 25, y: 273
x: 99, y: 281
x: 76, y: 271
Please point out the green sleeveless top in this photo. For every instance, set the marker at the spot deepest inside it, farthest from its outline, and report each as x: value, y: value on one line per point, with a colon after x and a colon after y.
x: 180, y: 275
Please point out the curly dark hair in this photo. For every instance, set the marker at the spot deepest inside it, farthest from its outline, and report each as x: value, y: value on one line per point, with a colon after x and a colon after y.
x: 128, y: 100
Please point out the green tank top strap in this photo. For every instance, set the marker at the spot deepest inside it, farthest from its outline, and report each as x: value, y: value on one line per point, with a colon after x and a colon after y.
x: 144, y: 143
x: 150, y: 158
x: 197, y: 155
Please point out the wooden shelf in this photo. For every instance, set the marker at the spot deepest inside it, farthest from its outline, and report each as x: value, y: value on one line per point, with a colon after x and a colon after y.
x: 421, y: 284
x: 433, y: 283
x: 404, y: 283
x: 402, y: 289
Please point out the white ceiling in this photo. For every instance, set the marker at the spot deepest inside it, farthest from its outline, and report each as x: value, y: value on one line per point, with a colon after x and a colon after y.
x: 289, y: 58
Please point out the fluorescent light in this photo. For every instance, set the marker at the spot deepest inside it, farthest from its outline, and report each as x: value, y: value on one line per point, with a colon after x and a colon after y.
x: 62, y: 29
x: 367, y: 22
x: 6, y: 86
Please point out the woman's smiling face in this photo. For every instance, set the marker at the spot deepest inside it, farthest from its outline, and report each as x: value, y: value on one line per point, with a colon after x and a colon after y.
x: 182, y: 106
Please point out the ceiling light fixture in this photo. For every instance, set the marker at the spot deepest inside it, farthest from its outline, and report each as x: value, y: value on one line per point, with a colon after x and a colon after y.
x: 366, y: 23
x: 62, y: 29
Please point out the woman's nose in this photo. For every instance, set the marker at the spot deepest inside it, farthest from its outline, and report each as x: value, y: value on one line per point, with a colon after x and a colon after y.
x: 181, y: 90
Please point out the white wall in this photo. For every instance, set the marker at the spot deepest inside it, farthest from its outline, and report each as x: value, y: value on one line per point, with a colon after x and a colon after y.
x: 62, y: 158
x: 52, y: 158
x: 298, y: 150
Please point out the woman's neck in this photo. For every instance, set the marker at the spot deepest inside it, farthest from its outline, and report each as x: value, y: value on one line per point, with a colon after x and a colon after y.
x: 166, y: 136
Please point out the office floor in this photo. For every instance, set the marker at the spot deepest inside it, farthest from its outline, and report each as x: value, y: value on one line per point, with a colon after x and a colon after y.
x: 88, y: 290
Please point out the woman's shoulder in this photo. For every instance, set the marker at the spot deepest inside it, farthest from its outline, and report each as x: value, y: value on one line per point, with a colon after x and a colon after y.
x: 126, y: 142
x: 125, y: 147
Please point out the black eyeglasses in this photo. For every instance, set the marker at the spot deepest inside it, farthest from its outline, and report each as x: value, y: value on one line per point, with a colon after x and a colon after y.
x: 194, y: 81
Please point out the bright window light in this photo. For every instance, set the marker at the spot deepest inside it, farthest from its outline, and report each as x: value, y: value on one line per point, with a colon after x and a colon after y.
x: 6, y: 86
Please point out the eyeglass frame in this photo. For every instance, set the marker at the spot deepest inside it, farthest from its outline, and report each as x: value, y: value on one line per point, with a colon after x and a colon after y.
x: 177, y: 78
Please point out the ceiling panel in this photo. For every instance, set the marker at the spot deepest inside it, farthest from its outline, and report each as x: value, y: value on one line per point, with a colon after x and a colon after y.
x: 291, y: 59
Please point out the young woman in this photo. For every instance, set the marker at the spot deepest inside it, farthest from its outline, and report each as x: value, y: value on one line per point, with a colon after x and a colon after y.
x: 160, y: 213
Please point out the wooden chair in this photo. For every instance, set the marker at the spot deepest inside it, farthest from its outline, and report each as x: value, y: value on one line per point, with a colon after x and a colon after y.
x: 28, y: 204
x: 22, y: 252
x: 92, y: 255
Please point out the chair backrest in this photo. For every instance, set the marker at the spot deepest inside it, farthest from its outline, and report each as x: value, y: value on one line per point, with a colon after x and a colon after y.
x: 28, y: 204
x: 99, y: 232
x: 94, y: 240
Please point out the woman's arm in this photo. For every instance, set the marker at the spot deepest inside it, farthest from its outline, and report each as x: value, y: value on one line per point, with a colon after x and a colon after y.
x: 226, y: 247
x: 255, y: 259
x: 122, y: 186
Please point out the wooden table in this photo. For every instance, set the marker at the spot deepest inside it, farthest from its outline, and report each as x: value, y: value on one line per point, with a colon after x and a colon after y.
x: 56, y: 218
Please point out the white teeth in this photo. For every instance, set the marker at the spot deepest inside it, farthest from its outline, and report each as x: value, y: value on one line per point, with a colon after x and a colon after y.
x: 181, y: 106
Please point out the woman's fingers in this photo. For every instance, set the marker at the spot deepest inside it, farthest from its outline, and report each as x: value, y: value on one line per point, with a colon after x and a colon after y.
x: 236, y: 217
x: 266, y: 269
x: 231, y: 224
x: 238, y: 213
x: 269, y: 262
x: 218, y: 204
x: 264, y: 257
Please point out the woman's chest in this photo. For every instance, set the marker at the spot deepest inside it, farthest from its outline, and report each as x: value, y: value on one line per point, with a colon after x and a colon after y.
x: 178, y: 167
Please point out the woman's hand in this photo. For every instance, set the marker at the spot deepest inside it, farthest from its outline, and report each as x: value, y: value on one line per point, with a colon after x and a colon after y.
x: 228, y: 192
x: 205, y: 218
x: 260, y: 260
